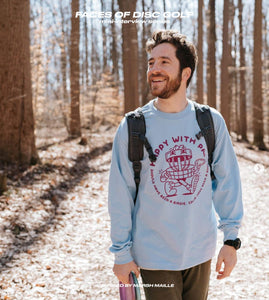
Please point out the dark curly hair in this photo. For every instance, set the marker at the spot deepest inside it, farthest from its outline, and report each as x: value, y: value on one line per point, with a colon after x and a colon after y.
x: 185, y: 50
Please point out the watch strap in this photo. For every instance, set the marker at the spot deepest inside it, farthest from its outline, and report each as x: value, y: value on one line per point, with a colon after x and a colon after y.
x: 234, y: 243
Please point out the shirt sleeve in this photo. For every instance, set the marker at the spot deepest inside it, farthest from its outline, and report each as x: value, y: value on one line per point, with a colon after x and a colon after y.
x: 121, y: 193
x: 226, y: 188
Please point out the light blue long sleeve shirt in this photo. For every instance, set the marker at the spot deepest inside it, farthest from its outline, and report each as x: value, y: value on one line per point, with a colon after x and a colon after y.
x: 173, y: 224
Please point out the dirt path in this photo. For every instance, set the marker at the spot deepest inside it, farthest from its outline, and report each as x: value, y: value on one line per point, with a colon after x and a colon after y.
x: 54, y: 229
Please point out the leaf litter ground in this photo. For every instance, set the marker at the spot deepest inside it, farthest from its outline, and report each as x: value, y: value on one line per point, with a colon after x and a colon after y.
x: 54, y: 226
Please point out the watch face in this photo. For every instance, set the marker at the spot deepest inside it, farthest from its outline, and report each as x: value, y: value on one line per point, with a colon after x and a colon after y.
x: 234, y: 243
x: 237, y: 244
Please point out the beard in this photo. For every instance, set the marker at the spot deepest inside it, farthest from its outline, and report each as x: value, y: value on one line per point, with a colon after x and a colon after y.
x: 171, y: 86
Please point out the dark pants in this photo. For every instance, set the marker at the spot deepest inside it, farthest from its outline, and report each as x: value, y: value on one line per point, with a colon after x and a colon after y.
x: 189, y: 284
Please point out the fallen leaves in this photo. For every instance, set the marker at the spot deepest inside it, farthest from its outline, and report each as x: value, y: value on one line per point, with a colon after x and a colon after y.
x: 61, y: 215
x: 61, y: 251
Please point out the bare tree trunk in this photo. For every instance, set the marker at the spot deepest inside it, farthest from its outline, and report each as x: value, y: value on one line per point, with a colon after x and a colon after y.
x: 17, y: 140
x: 144, y: 90
x: 257, y: 78
x: 266, y: 73
x: 62, y: 45
x: 104, y: 41
x: 86, y: 49
x: 114, y: 52
x: 180, y: 19
x: 200, y: 66
x: 224, y: 88
x: 75, y: 129
x: 211, y: 58
x: 242, y: 95
x: 130, y: 57
x: 232, y: 85
x: 233, y: 74
x: 95, y: 56
x: 233, y: 98
x: 164, y: 9
x: 37, y: 82
x: 3, y: 182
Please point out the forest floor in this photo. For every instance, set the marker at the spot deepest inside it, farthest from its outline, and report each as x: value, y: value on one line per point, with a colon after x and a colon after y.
x: 55, y: 230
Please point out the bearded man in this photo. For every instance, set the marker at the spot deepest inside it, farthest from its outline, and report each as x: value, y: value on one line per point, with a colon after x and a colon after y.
x: 169, y: 235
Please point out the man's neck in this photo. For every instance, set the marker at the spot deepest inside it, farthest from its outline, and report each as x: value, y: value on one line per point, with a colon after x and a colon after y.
x: 174, y: 104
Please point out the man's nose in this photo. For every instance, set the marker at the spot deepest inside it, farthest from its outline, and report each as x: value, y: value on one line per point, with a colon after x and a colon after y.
x: 155, y: 68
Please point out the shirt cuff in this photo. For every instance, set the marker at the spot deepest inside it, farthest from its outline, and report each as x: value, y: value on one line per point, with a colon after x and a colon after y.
x: 123, y: 257
x: 230, y: 234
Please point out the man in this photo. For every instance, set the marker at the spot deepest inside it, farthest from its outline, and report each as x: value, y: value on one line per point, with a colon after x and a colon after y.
x: 169, y: 235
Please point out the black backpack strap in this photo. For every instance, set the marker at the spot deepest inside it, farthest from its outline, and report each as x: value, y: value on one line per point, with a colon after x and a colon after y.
x: 206, y: 124
x: 136, y: 142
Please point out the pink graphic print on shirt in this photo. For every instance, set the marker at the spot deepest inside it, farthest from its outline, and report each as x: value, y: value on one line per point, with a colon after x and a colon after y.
x: 180, y: 171
x: 184, y: 170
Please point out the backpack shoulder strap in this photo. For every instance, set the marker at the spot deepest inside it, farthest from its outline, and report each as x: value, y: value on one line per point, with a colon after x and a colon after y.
x: 136, y: 127
x: 206, y: 124
x: 136, y: 142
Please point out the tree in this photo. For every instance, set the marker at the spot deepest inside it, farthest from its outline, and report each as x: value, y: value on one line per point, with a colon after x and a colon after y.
x: 257, y: 113
x: 62, y: 45
x: 17, y: 140
x: 224, y: 84
x: 95, y: 53
x: 114, y: 52
x: 200, y: 69
x: 130, y: 57
x: 164, y: 9
x: 75, y: 129
x: 144, y: 87
x: 233, y: 91
x: 86, y: 50
x: 242, y: 94
x: 211, y: 58
x: 104, y: 41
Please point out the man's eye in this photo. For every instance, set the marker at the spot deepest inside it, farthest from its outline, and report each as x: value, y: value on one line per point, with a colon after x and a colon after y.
x: 165, y: 62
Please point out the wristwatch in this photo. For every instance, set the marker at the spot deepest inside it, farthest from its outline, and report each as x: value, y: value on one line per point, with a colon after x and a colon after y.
x: 234, y: 243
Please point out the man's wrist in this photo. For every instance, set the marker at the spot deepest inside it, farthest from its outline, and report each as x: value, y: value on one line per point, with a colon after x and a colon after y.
x: 233, y: 243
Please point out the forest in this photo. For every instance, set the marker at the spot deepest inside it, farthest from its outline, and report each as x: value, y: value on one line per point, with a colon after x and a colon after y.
x: 69, y: 71
x: 67, y: 49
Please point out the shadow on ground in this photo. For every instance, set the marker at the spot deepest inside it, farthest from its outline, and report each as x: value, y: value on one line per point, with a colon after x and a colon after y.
x: 56, y: 194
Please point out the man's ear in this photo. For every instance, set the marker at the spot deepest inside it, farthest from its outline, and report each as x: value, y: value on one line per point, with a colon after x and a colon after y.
x: 186, y: 73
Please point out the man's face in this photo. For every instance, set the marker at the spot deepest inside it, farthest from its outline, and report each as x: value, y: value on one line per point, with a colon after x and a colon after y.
x: 164, y: 77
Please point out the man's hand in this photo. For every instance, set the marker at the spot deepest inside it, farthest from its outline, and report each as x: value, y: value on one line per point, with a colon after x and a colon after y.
x: 123, y: 271
x: 227, y: 255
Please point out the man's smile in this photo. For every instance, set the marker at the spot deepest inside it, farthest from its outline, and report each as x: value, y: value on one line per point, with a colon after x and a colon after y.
x: 158, y: 80
x: 155, y: 80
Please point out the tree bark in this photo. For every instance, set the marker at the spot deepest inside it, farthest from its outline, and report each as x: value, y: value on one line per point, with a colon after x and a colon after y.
x: 242, y: 94
x: 224, y: 87
x: 130, y: 57
x: 95, y: 55
x: 17, y: 140
x: 211, y: 56
x: 144, y: 88
x: 233, y: 72
x: 75, y: 129
x: 104, y: 41
x: 62, y: 45
x: 257, y: 79
x: 114, y: 52
x: 164, y: 9
x: 86, y: 49
x: 3, y: 182
x: 200, y: 65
